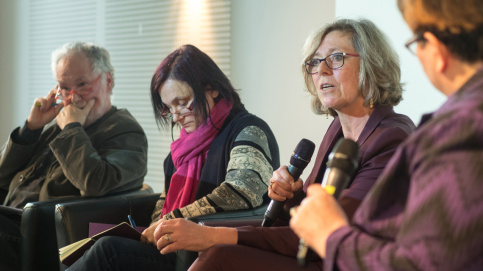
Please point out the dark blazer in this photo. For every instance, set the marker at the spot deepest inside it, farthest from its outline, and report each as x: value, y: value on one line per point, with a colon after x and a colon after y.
x: 379, y: 139
x: 384, y: 131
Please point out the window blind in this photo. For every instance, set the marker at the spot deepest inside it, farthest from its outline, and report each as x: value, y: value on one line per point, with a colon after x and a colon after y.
x: 138, y: 35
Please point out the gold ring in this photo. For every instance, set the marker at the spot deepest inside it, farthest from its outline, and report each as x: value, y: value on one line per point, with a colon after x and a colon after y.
x: 167, y: 237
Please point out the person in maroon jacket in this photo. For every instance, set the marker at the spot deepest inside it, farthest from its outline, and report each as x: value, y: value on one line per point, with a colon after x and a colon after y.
x: 341, y: 73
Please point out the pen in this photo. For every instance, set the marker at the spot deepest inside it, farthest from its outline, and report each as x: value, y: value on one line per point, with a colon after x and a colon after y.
x: 39, y: 104
x: 131, y: 221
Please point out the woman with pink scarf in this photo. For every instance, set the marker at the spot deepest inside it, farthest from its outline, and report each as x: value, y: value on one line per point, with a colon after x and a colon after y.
x: 222, y: 161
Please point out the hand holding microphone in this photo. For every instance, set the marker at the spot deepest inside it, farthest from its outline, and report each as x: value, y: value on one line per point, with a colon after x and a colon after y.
x: 321, y: 216
x: 298, y: 161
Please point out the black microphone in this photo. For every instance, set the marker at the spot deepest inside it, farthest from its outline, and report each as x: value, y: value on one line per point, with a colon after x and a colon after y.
x: 343, y: 163
x: 298, y: 161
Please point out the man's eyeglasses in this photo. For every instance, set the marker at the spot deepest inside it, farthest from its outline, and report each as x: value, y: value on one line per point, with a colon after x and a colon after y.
x: 84, y: 89
x: 333, y: 61
x: 183, y: 111
x: 412, y: 44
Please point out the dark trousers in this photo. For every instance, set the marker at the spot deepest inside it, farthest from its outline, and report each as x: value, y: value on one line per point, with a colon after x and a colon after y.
x: 118, y: 253
x: 236, y: 257
x: 9, y: 241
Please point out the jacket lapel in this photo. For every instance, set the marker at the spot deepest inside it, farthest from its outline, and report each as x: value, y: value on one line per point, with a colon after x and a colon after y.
x: 379, y: 113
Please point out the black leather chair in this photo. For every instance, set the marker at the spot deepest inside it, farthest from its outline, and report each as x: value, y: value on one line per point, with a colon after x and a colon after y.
x: 38, y: 247
x: 72, y: 219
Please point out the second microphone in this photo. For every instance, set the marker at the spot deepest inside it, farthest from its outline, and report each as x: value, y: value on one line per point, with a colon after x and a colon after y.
x: 298, y: 162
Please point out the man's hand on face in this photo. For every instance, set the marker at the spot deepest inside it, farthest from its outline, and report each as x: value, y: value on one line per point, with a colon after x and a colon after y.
x: 72, y: 113
x: 44, y: 110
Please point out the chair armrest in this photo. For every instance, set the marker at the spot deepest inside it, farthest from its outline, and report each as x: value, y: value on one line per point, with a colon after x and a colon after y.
x: 256, y: 213
x: 38, y: 248
x: 72, y: 219
x: 14, y: 214
x: 233, y: 223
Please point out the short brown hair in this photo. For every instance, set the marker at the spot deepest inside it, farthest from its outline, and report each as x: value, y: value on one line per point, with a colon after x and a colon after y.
x: 457, y: 24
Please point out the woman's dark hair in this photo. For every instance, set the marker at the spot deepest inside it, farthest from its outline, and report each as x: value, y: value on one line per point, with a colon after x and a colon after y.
x: 190, y: 65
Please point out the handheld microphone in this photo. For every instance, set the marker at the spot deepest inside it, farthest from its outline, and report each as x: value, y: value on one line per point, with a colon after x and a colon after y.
x: 343, y: 163
x: 298, y: 161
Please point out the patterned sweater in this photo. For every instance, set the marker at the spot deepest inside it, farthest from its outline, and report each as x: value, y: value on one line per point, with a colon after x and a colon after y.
x: 237, y: 170
x: 426, y: 210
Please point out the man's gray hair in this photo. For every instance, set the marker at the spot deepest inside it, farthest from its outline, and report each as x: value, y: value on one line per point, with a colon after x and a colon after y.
x: 98, y: 56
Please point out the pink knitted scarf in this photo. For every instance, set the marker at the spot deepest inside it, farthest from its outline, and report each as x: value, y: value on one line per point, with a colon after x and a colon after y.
x: 189, y: 155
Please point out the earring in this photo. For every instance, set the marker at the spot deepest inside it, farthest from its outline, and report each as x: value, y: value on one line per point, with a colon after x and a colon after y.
x: 327, y: 116
x: 371, y: 104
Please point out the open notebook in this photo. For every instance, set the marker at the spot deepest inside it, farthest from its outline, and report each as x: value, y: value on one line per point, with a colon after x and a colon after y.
x: 69, y: 254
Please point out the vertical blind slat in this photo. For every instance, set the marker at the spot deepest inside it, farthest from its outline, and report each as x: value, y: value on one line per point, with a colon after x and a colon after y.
x: 138, y: 35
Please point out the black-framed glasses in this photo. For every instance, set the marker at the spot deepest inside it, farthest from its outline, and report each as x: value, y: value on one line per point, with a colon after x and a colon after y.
x: 183, y: 111
x: 333, y: 61
x: 412, y: 44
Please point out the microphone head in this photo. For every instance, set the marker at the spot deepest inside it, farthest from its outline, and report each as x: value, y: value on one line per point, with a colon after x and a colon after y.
x: 302, y: 154
x: 345, y: 156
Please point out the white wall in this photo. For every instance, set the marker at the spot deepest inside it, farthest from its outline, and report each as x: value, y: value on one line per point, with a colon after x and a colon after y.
x: 11, y: 66
x: 420, y: 96
x: 267, y: 40
x: 7, y: 69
